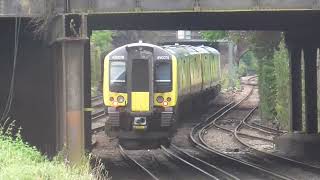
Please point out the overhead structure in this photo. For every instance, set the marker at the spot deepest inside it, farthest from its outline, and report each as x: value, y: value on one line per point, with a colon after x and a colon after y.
x: 70, y: 22
x: 303, y: 46
x: 41, y: 7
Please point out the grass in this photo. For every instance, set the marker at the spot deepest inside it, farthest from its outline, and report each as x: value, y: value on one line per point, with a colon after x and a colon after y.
x: 18, y: 160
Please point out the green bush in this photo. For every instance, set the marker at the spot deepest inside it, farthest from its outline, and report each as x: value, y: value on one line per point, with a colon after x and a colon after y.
x: 18, y: 160
x: 100, y: 42
x: 267, y: 88
x: 281, y: 61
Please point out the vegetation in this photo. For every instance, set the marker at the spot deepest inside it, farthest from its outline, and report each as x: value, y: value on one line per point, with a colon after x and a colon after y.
x: 267, y: 88
x: 102, y: 39
x: 240, y: 50
x: 100, y: 42
x: 248, y: 64
x: 281, y: 62
x: 213, y: 35
x: 18, y: 160
x: 264, y: 53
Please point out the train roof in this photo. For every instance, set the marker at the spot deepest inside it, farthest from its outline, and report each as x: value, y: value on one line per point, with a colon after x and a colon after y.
x: 211, y: 49
x: 179, y: 50
x: 136, y: 44
x: 190, y: 50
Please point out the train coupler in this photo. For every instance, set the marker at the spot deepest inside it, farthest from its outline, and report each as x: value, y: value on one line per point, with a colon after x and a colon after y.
x: 140, y: 123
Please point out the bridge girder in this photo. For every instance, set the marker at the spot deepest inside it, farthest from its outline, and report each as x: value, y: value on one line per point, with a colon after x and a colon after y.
x: 30, y: 8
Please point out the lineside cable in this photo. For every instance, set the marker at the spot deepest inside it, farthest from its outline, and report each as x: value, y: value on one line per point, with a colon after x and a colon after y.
x: 5, y: 115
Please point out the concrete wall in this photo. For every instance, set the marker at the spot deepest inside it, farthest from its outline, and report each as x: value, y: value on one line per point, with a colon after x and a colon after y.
x: 33, y: 104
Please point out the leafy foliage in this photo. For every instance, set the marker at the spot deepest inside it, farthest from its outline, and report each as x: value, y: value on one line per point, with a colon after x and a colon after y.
x: 18, y: 160
x: 281, y: 61
x: 260, y: 51
x: 267, y: 88
x: 213, y: 35
x: 264, y: 45
x: 102, y: 39
x: 273, y: 75
x: 100, y: 42
x: 248, y: 64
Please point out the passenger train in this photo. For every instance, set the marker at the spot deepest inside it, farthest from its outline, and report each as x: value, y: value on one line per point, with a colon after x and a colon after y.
x: 146, y: 89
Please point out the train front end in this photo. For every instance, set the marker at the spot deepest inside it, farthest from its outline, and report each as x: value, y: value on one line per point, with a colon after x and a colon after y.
x: 140, y: 93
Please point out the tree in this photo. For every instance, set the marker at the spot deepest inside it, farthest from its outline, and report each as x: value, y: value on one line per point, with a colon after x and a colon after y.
x: 281, y: 61
x: 102, y: 39
x: 263, y: 45
x: 100, y: 42
x: 213, y: 35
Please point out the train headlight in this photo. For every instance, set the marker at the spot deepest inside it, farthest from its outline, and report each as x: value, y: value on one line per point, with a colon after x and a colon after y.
x: 115, y: 103
x: 165, y: 103
x: 160, y: 99
x: 120, y: 99
x: 168, y: 99
x: 111, y: 98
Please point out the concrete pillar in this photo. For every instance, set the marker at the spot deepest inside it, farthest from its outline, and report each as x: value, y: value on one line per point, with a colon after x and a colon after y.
x: 304, y: 144
x: 69, y: 42
x: 295, y: 100
x: 69, y: 87
x: 73, y: 55
x: 87, y: 96
x: 310, y: 57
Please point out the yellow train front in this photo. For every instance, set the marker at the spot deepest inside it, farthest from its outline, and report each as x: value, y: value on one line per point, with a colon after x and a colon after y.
x: 144, y: 93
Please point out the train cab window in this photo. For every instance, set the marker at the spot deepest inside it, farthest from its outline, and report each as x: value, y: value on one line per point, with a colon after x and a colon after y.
x: 163, y: 72
x: 117, y: 76
x: 163, y: 77
x: 117, y: 72
x: 140, y: 75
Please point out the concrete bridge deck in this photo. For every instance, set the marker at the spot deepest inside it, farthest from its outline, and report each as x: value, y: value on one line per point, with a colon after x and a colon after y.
x: 30, y: 8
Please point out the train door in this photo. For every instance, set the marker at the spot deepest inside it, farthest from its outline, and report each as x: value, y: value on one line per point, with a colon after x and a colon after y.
x: 140, y: 80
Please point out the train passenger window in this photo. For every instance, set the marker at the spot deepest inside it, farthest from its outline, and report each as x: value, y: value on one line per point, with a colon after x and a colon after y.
x: 163, y: 72
x: 117, y: 72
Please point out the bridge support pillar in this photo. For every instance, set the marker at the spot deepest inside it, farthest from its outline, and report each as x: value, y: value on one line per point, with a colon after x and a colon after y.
x: 302, y: 143
x: 73, y: 57
x: 310, y: 64
x: 295, y: 100
x: 69, y: 44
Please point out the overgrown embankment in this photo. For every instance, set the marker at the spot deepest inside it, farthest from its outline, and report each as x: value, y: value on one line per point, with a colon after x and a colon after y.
x: 265, y: 53
x: 18, y: 160
x: 274, y: 86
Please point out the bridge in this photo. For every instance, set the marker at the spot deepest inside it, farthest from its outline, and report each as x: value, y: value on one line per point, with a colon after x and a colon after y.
x: 187, y: 14
x: 59, y: 70
x: 29, y: 8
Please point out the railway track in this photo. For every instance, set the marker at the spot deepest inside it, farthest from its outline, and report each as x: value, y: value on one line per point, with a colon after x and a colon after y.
x: 217, y: 172
x: 179, y: 156
x: 98, y: 114
x: 266, y: 163
x: 137, y: 164
x: 196, y: 138
x: 167, y: 164
x: 94, y: 98
x: 219, y: 165
x: 175, y: 154
x: 271, y: 156
x: 251, y: 170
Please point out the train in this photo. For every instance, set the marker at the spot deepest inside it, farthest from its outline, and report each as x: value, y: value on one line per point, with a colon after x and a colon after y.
x: 147, y: 89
